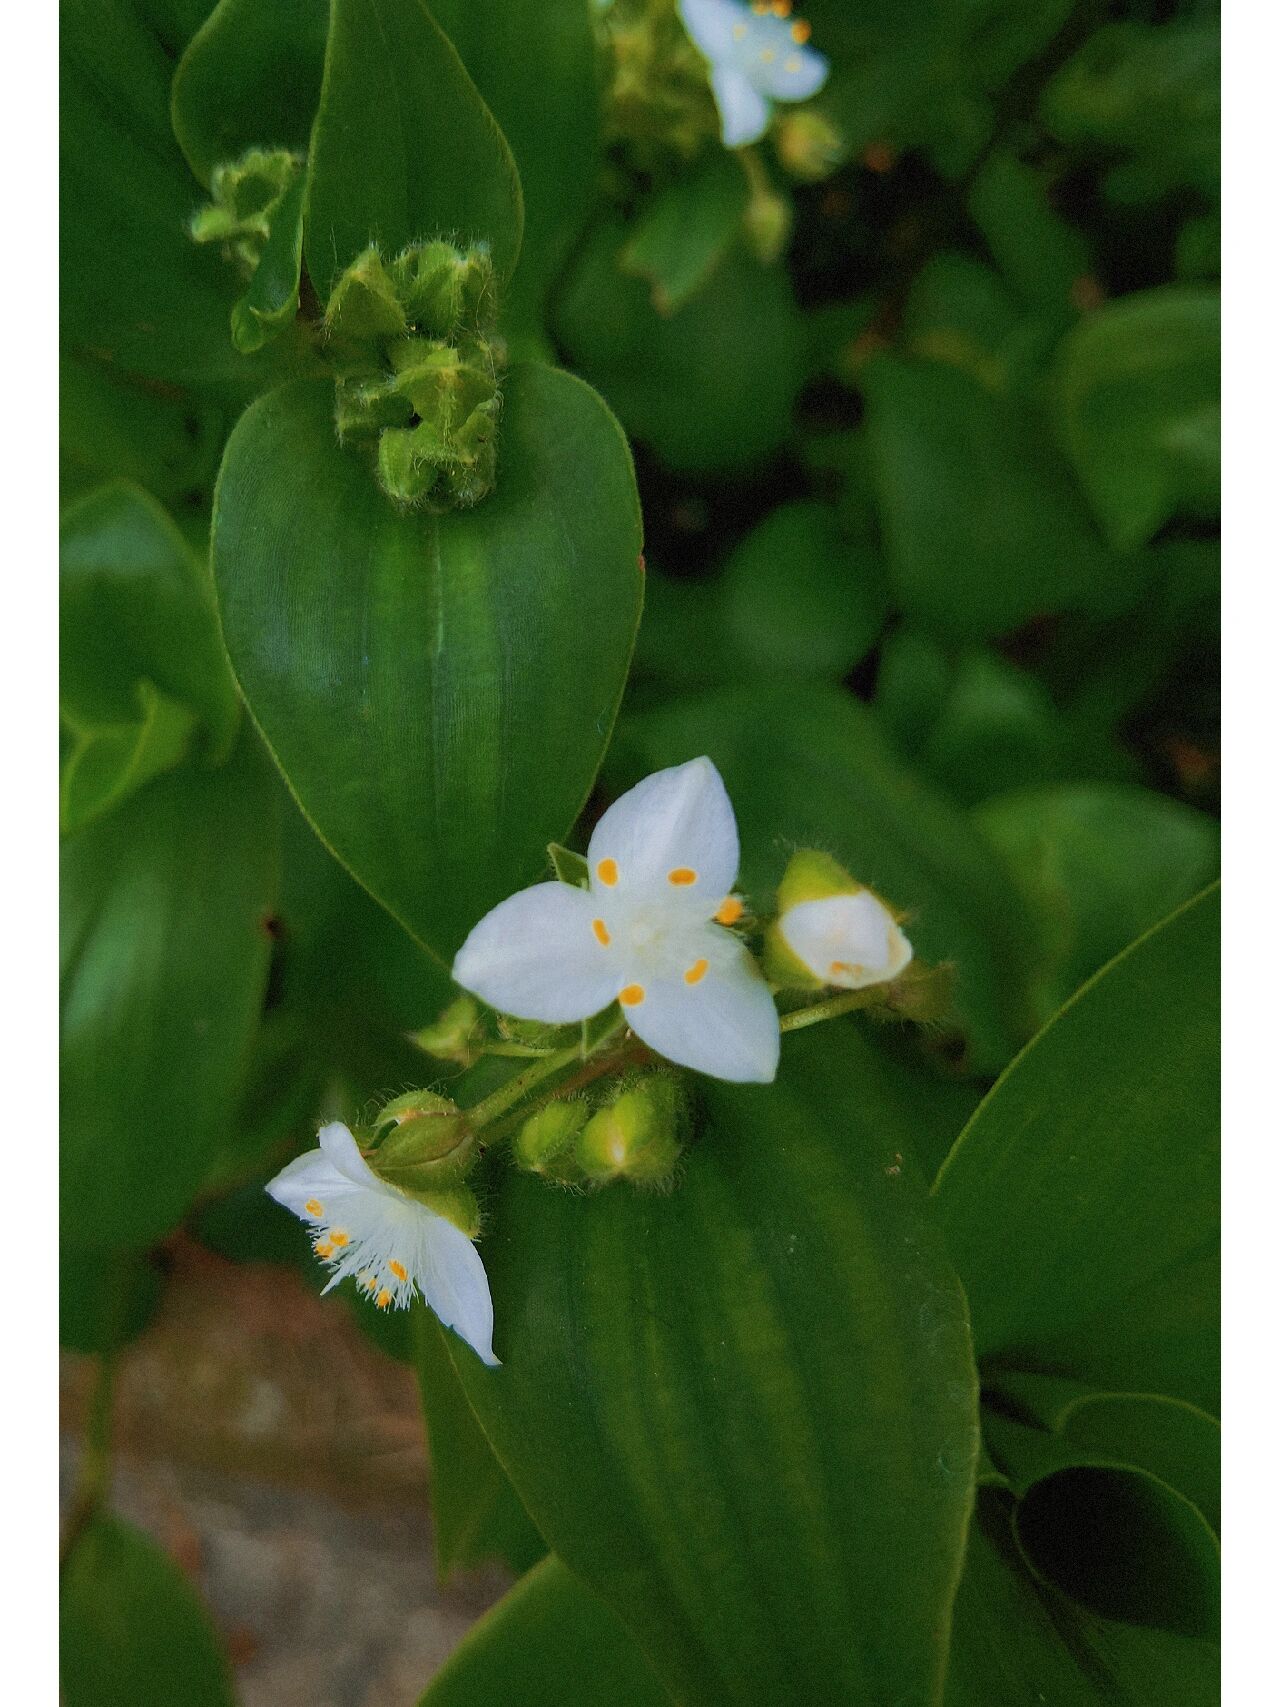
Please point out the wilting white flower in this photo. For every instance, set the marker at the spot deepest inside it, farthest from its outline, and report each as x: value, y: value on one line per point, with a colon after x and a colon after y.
x: 649, y: 932
x: 849, y: 941
x: 391, y: 1243
x: 758, y: 54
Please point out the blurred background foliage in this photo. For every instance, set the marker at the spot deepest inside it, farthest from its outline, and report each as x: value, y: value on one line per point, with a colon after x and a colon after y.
x: 922, y: 395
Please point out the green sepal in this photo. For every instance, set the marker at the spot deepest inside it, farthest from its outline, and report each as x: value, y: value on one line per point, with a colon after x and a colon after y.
x: 635, y: 1138
x: 547, y: 1142
x: 568, y: 866
x: 445, y: 290
x: 458, y: 1205
x: 813, y: 876
x: 450, y: 1036
x: 365, y: 306
x: 431, y: 1145
x: 782, y: 967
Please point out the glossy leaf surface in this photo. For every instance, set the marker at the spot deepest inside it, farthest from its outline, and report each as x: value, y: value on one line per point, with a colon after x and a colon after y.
x: 412, y: 673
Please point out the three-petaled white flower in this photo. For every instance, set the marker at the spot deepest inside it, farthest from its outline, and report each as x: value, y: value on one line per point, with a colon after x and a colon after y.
x: 649, y: 932
x: 391, y: 1243
x: 758, y: 54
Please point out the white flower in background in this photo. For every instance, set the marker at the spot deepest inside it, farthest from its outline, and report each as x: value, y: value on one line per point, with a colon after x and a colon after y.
x: 648, y: 933
x: 758, y: 54
x: 849, y: 941
x: 390, y: 1243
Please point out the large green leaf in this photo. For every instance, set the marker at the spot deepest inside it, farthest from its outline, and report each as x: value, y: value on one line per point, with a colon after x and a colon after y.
x: 133, y: 1633
x: 1140, y: 412
x: 164, y: 965
x: 682, y: 234
x: 475, y: 1512
x: 404, y: 149
x: 532, y: 59
x: 1099, y: 864
x: 983, y: 526
x: 808, y: 766
x: 108, y: 429
x: 1081, y: 1201
x: 744, y: 1413
x: 548, y: 1642
x: 1017, y: 1641
x: 136, y: 292
x: 250, y: 78
x: 412, y: 673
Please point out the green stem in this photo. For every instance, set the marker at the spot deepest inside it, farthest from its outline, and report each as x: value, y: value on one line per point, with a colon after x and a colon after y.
x: 518, y: 1051
x: 506, y: 1096
x: 831, y: 1008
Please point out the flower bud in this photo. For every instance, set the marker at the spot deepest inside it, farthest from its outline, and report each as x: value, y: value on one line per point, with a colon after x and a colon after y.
x: 635, y: 1137
x: 445, y: 290
x: 364, y: 306
x: 430, y: 1147
x: 809, y: 145
x: 245, y: 192
x: 831, y: 930
x: 449, y: 1036
x: 767, y: 222
x: 546, y: 1143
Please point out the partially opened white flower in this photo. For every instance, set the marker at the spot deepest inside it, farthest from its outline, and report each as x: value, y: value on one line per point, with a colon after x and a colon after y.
x: 649, y: 932
x: 391, y: 1243
x: 758, y: 54
x: 831, y: 929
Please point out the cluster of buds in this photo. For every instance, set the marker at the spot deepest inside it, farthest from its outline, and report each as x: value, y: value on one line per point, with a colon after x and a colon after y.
x: 413, y: 342
x: 246, y: 194
x: 634, y: 1135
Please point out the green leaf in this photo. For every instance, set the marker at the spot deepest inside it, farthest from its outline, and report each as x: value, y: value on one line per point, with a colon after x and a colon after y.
x: 531, y: 59
x: 680, y: 237
x: 982, y: 524
x: 1038, y: 252
x: 547, y: 1642
x: 404, y: 149
x: 1098, y: 864
x: 709, y: 387
x: 1139, y: 409
x: 250, y: 78
x: 1080, y: 1203
x: 825, y: 778
x: 164, y: 966
x: 271, y: 301
x: 411, y: 673
x: 744, y: 1413
x: 108, y: 430
x: 569, y: 867
x: 104, y: 1301
x: 1016, y: 1641
x: 1170, y: 1439
x: 996, y: 729
x: 475, y: 1512
x: 136, y: 293
x: 800, y: 599
x: 140, y: 658
x: 132, y: 1632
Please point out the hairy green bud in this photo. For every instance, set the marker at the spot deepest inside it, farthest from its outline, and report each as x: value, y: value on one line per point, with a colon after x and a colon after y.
x: 431, y: 1145
x: 635, y: 1137
x: 546, y: 1144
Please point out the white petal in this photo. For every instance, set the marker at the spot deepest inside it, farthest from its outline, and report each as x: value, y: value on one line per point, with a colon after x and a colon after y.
x: 677, y: 821
x: 725, y: 1024
x: 329, y: 1175
x: 711, y: 24
x: 791, y: 74
x: 454, y: 1283
x: 744, y: 112
x: 849, y: 941
x: 536, y: 957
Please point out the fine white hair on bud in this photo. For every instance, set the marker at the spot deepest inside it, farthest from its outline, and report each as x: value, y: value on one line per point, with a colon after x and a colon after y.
x: 389, y: 1243
x: 650, y: 931
x: 758, y: 54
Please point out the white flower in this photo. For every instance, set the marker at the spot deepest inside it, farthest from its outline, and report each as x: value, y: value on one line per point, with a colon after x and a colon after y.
x: 648, y: 933
x: 849, y: 941
x: 757, y: 55
x: 391, y: 1243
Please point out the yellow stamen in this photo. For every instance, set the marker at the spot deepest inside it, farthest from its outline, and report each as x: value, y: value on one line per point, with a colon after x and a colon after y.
x: 697, y: 972
x: 801, y: 31
x: 682, y: 876
x: 632, y: 996
x: 607, y: 872
x: 338, y: 1237
x: 782, y: 8
x: 383, y: 1299
x: 324, y: 1250
x: 729, y: 911
x: 398, y: 1269
x: 601, y: 932
x: 841, y: 969
x: 313, y: 1206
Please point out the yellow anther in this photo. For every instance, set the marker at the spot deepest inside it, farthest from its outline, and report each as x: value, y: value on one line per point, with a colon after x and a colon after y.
x: 782, y: 8
x: 682, y: 876
x: 729, y: 911
x: 324, y: 1250
x: 801, y: 31
x: 338, y: 1237
x: 842, y: 969
x: 607, y: 872
x: 632, y: 996
x: 601, y: 932
x: 398, y: 1269
x: 313, y: 1206
x: 697, y: 972
x: 383, y: 1299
